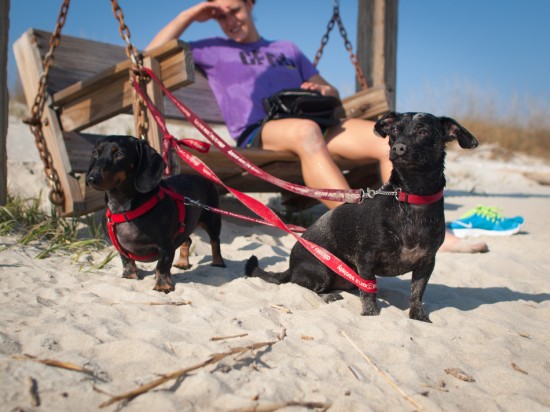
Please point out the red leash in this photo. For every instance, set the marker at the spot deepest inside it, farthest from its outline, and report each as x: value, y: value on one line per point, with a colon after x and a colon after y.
x: 331, y: 261
x: 337, y: 195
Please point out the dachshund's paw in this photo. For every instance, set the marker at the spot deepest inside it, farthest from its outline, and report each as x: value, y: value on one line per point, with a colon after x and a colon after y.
x: 131, y: 275
x: 164, y: 284
x: 183, y: 265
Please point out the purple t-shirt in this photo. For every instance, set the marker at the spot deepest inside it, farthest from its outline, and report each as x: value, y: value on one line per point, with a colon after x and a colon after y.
x: 242, y: 74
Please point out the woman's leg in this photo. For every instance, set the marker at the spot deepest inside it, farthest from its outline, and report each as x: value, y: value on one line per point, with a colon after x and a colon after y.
x: 305, y: 139
x: 355, y: 140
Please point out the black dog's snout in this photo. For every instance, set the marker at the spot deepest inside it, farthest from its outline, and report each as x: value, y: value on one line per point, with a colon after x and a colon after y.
x: 399, y: 149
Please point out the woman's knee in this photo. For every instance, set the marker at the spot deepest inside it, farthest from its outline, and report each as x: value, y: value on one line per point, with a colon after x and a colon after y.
x: 308, y: 137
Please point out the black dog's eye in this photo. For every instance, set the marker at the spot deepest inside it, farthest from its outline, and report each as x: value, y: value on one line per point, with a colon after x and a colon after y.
x: 423, y: 132
x: 394, y: 129
x: 95, y: 153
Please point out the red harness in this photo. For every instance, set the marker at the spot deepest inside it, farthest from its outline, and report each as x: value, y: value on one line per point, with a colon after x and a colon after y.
x: 114, y: 218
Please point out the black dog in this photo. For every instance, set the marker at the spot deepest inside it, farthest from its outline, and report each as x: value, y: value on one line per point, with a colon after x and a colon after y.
x: 383, y: 236
x: 144, y: 212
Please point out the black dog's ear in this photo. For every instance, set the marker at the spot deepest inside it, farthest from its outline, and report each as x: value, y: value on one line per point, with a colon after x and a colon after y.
x: 383, y: 125
x: 454, y: 131
x: 149, y: 169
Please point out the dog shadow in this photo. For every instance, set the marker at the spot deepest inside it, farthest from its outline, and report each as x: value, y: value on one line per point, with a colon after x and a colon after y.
x: 396, y: 292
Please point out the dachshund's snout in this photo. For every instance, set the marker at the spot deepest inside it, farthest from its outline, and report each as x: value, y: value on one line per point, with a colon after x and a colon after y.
x: 93, y: 179
x: 399, y: 149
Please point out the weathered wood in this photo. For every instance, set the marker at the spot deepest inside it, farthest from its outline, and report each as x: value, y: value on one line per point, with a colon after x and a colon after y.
x: 377, y: 44
x: 153, y: 90
x: 367, y: 104
x: 4, y: 117
x: 29, y: 63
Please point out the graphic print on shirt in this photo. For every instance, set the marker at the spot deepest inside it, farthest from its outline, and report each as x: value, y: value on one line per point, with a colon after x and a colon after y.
x: 255, y: 57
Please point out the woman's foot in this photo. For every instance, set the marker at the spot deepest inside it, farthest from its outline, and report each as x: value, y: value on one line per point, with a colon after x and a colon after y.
x: 452, y: 244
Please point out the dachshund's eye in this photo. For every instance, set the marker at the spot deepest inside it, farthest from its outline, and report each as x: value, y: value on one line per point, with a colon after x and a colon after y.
x: 119, y: 155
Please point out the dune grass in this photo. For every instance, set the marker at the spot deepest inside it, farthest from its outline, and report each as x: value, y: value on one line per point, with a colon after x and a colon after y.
x: 516, y: 122
x: 31, y: 225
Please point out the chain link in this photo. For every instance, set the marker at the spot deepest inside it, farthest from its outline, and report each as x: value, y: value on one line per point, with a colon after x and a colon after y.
x: 142, y: 124
x: 324, y: 40
x: 56, y: 195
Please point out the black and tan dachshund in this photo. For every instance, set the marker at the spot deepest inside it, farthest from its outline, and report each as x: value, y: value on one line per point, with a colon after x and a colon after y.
x: 384, y: 236
x: 146, y: 219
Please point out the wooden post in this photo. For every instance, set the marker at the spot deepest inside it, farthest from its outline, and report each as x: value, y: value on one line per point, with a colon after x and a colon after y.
x: 4, y: 114
x: 377, y: 44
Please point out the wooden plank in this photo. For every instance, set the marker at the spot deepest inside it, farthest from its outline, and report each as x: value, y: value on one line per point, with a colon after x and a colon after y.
x: 367, y: 104
x: 153, y: 90
x: 29, y: 63
x: 377, y: 44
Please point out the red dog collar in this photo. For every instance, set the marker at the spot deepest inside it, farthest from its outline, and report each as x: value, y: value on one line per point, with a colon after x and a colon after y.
x: 114, y: 218
x: 419, y: 199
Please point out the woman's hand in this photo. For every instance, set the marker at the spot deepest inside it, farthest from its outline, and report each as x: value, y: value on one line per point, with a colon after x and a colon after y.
x: 321, y: 88
x: 200, y: 12
x: 316, y: 82
x: 205, y: 11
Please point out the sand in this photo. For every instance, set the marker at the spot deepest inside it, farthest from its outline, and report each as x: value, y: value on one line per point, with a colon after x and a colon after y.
x: 490, y: 315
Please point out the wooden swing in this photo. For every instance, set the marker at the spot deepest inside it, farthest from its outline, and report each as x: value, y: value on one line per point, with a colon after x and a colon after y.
x: 89, y: 83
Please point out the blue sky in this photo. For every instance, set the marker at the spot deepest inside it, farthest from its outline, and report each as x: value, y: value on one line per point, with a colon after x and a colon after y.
x: 448, y: 51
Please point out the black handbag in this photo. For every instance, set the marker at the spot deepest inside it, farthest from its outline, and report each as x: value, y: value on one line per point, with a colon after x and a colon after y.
x: 298, y: 103
x: 302, y: 104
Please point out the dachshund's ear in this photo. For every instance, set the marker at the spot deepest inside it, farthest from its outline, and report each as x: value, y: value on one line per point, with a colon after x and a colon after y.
x: 149, y: 169
x: 454, y: 131
x: 382, y: 126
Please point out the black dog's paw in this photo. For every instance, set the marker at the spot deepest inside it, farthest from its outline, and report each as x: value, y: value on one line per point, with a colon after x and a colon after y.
x: 250, y: 265
x: 370, y: 308
x: 332, y: 297
x: 218, y: 264
x: 417, y: 312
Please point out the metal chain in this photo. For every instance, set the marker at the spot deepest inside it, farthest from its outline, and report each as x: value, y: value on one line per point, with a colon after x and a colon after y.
x: 324, y: 40
x: 56, y: 195
x: 136, y: 58
x: 124, y: 31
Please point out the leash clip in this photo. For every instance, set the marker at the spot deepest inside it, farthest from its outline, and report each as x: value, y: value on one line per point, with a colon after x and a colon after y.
x: 198, y: 203
x: 396, y: 193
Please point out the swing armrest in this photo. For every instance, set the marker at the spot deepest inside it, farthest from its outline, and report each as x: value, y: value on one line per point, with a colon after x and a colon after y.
x: 367, y: 104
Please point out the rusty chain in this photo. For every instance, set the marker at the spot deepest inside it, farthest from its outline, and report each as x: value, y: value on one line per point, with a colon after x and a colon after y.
x: 56, y: 195
x: 324, y: 40
x: 142, y: 123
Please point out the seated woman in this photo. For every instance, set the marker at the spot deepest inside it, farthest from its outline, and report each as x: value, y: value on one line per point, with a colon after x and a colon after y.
x: 244, y: 68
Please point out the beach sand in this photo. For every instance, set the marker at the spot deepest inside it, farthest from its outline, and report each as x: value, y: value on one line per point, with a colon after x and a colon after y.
x: 490, y: 315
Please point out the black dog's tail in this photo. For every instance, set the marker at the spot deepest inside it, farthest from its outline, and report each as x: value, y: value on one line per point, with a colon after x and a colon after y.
x: 252, y: 269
